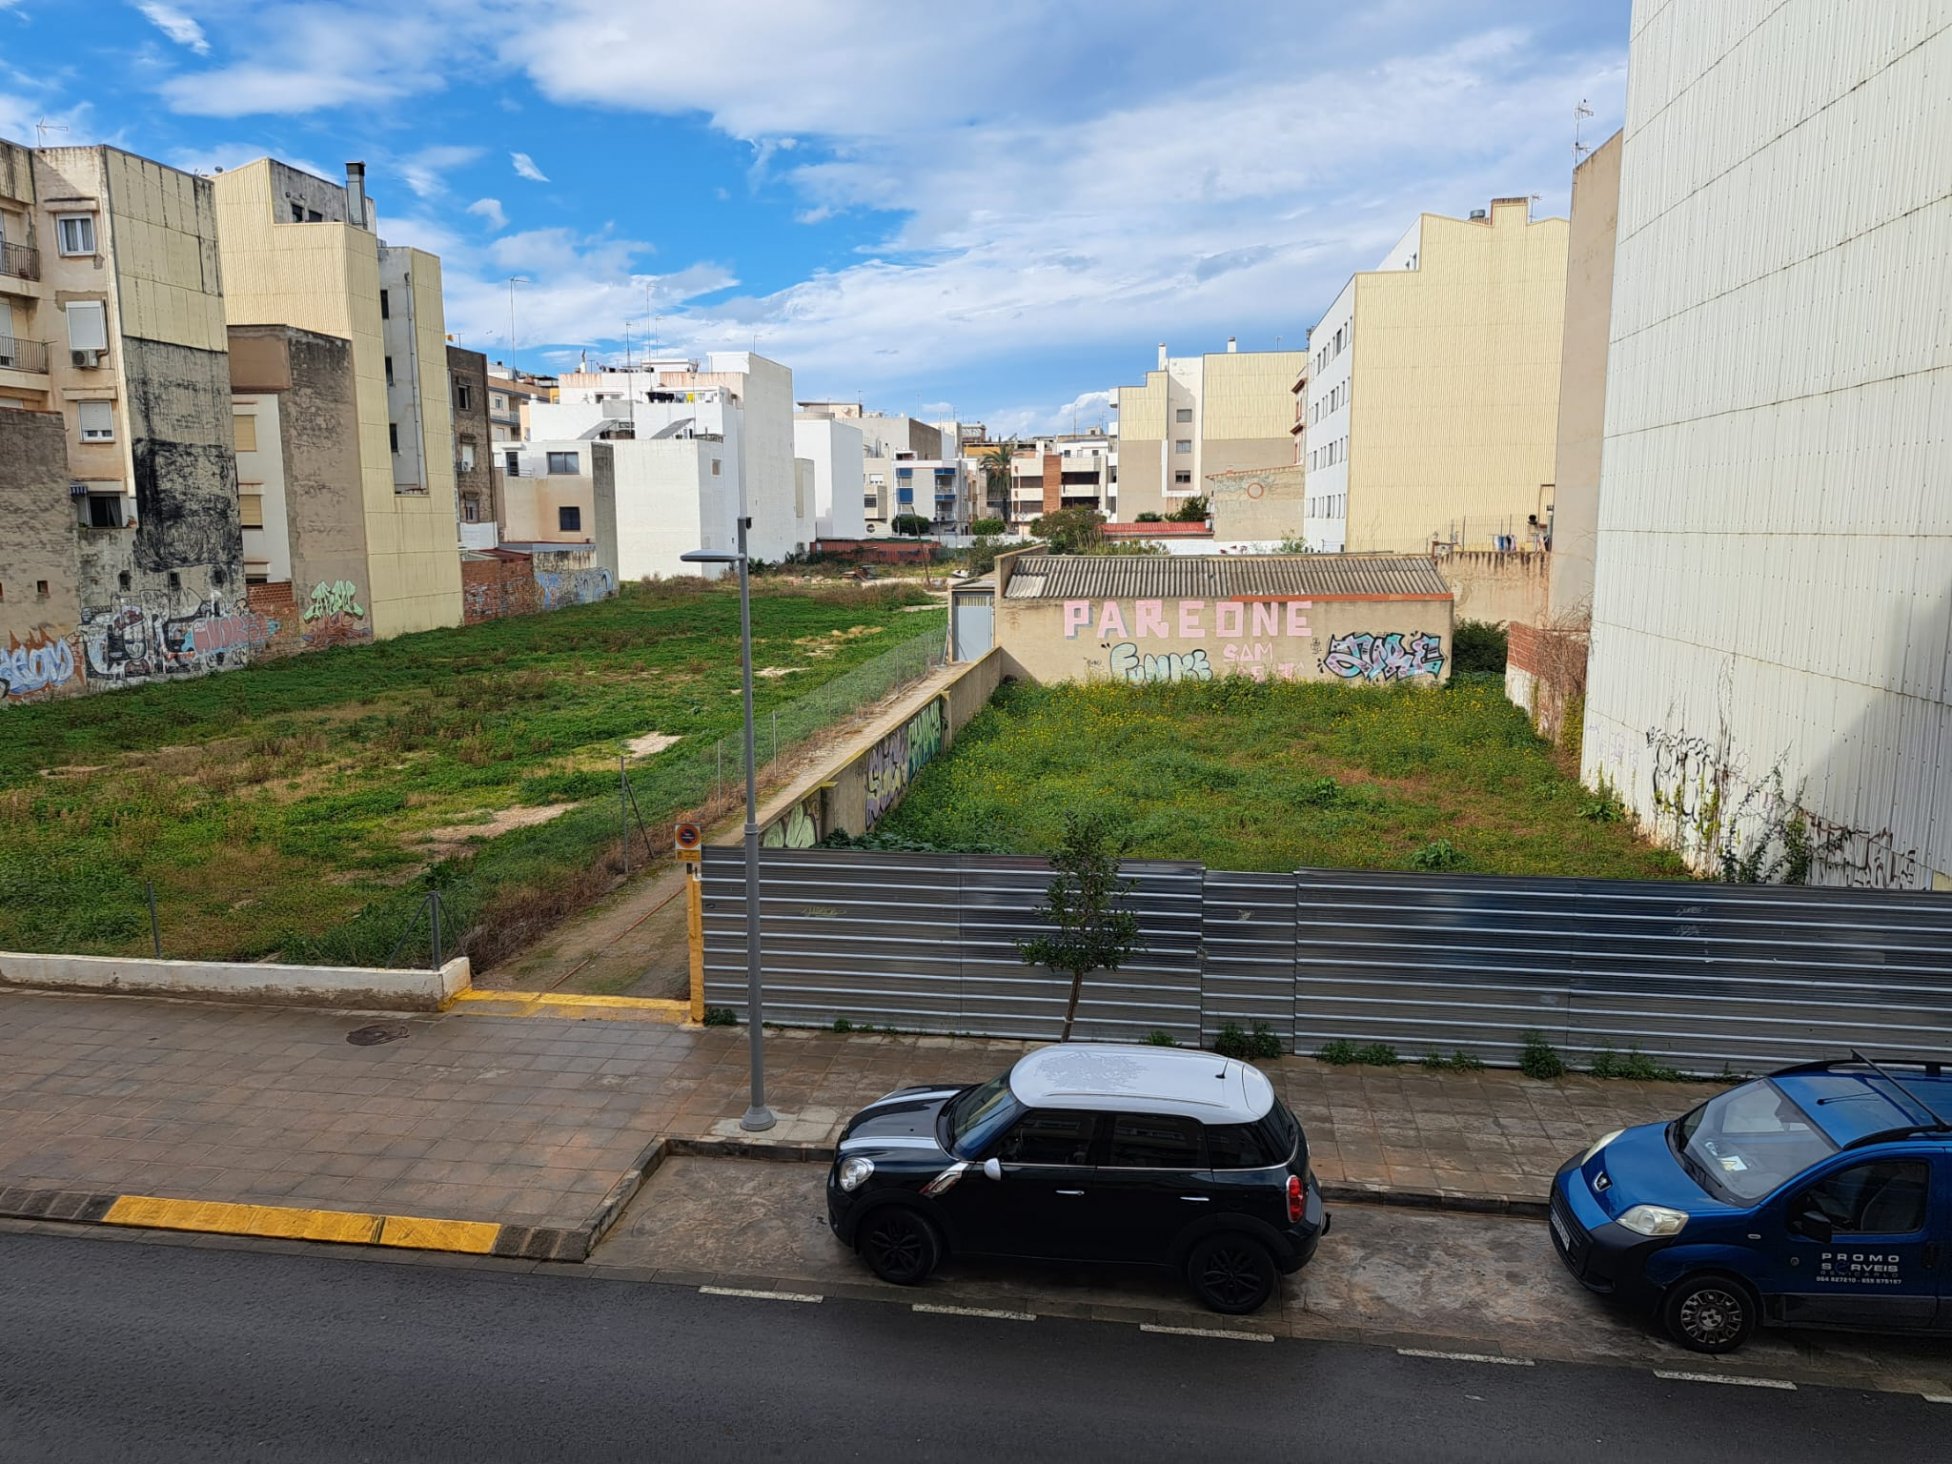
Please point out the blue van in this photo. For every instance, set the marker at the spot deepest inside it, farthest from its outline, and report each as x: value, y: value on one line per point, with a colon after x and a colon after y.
x: 1820, y: 1195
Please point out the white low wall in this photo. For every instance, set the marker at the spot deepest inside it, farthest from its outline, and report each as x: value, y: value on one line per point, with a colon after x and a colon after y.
x: 358, y: 988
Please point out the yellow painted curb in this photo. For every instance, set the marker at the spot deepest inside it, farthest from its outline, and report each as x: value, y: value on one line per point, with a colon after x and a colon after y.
x: 571, y: 1004
x: 281, y: 1222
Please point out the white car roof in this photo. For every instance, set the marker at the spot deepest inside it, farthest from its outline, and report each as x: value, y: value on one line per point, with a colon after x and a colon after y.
x: 1103, y: 1076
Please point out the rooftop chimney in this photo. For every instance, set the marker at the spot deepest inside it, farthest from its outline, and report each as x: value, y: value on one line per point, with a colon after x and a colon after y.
x: 1232, y: 345
x: 356, y: 195
x: 1162, y: 355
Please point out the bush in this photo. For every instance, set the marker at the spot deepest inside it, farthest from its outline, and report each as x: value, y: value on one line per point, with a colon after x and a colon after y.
x: 1263, y: 1043
x: 1633, y: 1064
x: 909, y: 525
x: 1069, y: 530
x: 1344, y: 1053
x: 1538, y: 1058
x: 1192, y: 511
x: 1477, y: 645
x: 1231, y: 1041
x: 1459, y: 1061
x: 843, y: 1026
x: 987, y: 525
x: 1438, y: 854
x: 1604, y: 806
x: 1156, y: 1038
x: 1150, y: 518
x: 721, y: 1017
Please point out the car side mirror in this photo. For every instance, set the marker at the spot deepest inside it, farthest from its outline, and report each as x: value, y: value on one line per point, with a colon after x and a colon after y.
x: 992, y: 1169
x: 1816, y: 1225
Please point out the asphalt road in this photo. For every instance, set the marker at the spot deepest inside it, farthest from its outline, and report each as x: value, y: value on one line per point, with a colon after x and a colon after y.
x: 124, y: 1351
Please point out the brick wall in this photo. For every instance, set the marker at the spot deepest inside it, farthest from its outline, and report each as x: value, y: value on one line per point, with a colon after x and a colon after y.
x: 276, y: 604
x: 495, y: 587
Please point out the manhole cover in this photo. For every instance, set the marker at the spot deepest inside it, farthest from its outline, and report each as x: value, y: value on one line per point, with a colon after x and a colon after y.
x: 374, y: 1035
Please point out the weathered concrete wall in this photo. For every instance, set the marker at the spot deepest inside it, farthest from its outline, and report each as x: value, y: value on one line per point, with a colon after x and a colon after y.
x: 38, y: 656
x: 571, y: 577
x: 319, y: 418
x: 355, y: 988
x: 872, y: 772
x: 492, y: 587
x: 1359, y: 638
x: 1504, y: 587
x: 467, y: 373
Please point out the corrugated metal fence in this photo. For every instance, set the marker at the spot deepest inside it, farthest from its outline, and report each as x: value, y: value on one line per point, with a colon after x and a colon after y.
x: 1694, y: 975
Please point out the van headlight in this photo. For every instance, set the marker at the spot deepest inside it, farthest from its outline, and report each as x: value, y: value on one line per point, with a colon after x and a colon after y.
x: 854, y: 1172
x: 1599, y: 1144
x: 1654, y: 1220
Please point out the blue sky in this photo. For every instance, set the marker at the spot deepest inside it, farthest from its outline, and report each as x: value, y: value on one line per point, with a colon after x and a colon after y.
x: 996, y: 210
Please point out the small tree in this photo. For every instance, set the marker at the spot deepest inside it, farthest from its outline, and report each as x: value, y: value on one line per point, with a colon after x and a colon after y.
x: 989, y: 525
x: 910, y: 524
x: 1086, y: 902
x: 996, y: 466
x: 1192, y: 511
x: 1069, y: 530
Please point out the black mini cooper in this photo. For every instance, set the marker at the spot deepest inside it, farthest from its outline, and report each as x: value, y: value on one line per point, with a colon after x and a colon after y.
x: 1142, y: 1155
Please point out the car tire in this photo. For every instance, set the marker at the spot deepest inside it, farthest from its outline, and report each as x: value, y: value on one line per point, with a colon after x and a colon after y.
x: 900, y: 1246
x: 1231, y: 1272
x: 1709, y: 1313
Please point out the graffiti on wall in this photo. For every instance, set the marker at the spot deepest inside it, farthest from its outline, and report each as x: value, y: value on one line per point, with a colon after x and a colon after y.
x: 131, y: 641
x: 797, y: 828
x: 42, y: 662
x: 1226, y: 620
x: 1390, y: 657
x: 894, y: 761
x: 1128, y: 664
x: 575, y: 586
x: 333, y: 615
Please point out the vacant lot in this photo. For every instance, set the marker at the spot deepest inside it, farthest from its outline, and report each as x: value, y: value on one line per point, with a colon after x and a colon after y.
x: 1242, y: 774
x: 305, y: 807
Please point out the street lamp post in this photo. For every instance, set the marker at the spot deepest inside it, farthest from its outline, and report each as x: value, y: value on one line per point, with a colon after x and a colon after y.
x: 757, y: 1116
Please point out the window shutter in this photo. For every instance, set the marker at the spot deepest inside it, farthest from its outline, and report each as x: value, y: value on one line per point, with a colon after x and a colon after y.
x: 87, y: 326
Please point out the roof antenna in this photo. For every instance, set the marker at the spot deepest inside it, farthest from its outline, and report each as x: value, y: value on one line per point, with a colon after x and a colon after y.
x: 1579, y: 114
x: 43, y: 127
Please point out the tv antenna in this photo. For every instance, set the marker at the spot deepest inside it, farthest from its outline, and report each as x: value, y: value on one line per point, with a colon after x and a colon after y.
x: 1579, y: 114
x: 43, y: 127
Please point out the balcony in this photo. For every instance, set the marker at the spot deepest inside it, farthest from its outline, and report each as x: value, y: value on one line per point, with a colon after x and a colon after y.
x: 19, y: 262
x: 26, y: 356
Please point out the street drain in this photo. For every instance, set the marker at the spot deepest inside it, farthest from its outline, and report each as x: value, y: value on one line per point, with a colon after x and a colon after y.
x: 374, y: 1035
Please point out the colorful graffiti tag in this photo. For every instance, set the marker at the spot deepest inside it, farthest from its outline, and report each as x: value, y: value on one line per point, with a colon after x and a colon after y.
x: 1231, y: 620
x: 40, y: 663
x: 894, y: 761
x: 333, y: 615
x: 1390, y: 657
x: 797, y: 828
x: 1128, y: 664
x: 575, y: 586
x: 134, y: 642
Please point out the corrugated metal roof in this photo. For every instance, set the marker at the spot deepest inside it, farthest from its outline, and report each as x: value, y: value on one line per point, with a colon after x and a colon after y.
x: 1222, y: 576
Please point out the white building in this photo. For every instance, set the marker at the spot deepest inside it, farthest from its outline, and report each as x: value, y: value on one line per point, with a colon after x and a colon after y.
x: 1772, y: 614
x: 838, y: 456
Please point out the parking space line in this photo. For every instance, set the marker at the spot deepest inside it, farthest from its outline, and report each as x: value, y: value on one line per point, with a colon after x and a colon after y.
x: 1729, y: 1378
x: 1207, y: 1332
x: 974, y: 1311
x: 756, y: 1295
x: 1492, y: 1357
x: 1936, y: 1397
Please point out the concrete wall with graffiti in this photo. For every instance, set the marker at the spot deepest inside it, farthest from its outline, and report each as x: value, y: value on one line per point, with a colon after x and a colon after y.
x: 1371, y: 640
x: 871, y: 772
x: 501, y: 582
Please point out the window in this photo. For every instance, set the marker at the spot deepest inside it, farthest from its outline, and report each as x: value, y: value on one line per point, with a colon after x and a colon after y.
x: 1184, y: 414
x: 103, y: 511
x: 1882, y: 1198
x: 1182, y: 477
x: 244, y: 429
x: 512, y: 464
x: 466, y: 459
x: 1267, y: 1141
x: 122, y: 579
x: 75, y: 233
x: 469, y: 510
x: 569, y: 519
x: 389, y: 371
x: 1183, y: 445
x: 714, y: 467
x: 1049, y: 1136
x: 298, y: 213
x: 1154, y: 1141
x: 498, y: 403
x: 393, y: 435
x: 97, y: 421
x: 40, y: 589
x: 87, y: 325
x: 175, y: 580
x: 562, y: 462
x: 386, y: 306
x: 250, y: 505
x: 463, y: 397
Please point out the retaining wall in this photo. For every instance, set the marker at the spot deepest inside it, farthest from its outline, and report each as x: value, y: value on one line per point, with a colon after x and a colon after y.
x: 357, y: 988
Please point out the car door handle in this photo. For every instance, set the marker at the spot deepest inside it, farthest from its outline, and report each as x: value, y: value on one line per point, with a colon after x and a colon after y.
x: 1070, y: 1192
x: 1195, y: 1199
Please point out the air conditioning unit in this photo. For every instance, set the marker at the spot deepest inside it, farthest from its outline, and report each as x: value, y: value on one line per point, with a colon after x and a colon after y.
x: 86, y: 359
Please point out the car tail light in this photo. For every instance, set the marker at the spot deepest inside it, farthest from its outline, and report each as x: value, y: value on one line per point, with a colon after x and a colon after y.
x: 1297, y: 1199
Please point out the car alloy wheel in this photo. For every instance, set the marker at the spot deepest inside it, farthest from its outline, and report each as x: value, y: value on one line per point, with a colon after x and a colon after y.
x: 898, y: 1246
x: 1232, y: 1274
x: 1710, y: 1316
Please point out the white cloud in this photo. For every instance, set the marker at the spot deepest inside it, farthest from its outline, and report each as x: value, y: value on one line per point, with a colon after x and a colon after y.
x: 175, y: 24
x: 424, y: 171
x: 525, y: 167
x: 489, y: 209
x: 221, y: 157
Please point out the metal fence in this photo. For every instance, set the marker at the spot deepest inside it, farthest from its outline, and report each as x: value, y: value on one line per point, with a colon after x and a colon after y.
x: 1697, y: 976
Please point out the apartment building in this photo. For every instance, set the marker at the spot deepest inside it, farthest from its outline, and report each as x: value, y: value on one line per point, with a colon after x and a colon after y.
x: 121, y: 555
x: 837, y: 454
x: 1770, y: 684
x: 1198, y: 421
x: 1434, y: 388
x: 303, y: 252
x: 510, y: 395
x: 474, y: 467
x: 1070, y: 470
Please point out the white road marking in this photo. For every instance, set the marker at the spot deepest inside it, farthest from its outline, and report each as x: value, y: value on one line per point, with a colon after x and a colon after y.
x: 1936, y: 1397
x: 756, y: 1295
x: 975, y: 1311
x: 1492, y: 1357
x: 1208, y: 1332
x: 1730, y: 1378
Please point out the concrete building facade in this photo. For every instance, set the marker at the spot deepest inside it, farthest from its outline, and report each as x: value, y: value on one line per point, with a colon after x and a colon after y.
x: 1772, y: 599
x: 1433, y: 391
x: 300, y: 251
x: 837, y: 453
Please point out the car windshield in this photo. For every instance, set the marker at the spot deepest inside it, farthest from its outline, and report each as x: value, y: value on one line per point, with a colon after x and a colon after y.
x: 1743, y: 1144
x: 977, y: 1115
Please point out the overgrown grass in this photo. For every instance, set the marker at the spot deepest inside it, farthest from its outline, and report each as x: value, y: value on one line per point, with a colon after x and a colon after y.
x: 289, y: 808
x: 1240, y: 774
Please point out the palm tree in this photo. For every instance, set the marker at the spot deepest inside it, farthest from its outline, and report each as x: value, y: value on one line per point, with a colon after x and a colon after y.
x: 996, y: 476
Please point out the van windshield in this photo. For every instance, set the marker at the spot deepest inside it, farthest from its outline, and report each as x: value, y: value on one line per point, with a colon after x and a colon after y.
x: 1743, y: 1144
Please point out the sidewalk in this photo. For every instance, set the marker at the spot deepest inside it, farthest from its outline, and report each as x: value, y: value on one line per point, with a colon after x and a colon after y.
x: 547, y: 1122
